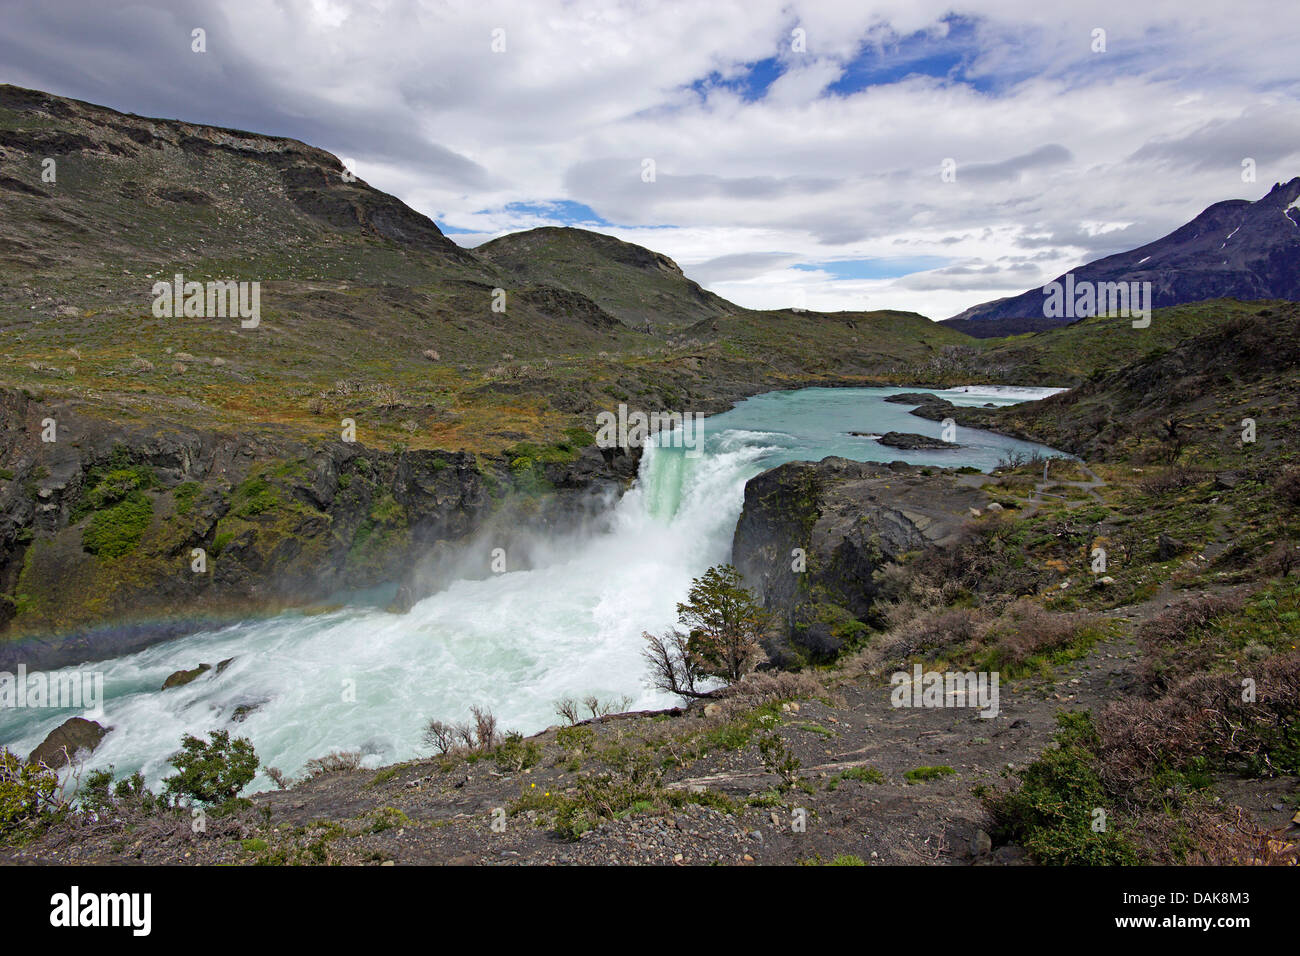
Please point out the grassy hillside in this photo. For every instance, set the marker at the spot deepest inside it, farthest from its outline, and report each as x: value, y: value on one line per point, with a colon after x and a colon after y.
x: 645, y: 290
x: 1069, y: 355
x: 367, y: 311
x: 1182, y: 400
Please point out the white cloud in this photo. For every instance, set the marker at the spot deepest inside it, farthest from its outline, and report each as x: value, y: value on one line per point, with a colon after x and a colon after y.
x: 1059, y: 150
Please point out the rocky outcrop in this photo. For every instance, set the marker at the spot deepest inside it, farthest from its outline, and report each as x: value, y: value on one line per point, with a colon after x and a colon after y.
x: 1194, y: 389
x: 64, y: 741
x: 811, y: 537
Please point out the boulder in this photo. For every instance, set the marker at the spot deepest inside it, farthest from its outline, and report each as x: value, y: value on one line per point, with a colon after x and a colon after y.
x: 1168, y: 548
x: 74, y: 734
x: 181, y: 678
x: 402, y: 601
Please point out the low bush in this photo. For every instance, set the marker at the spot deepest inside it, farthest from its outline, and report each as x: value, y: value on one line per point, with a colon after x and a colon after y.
x: 28, y: 793
x: 212, y: 771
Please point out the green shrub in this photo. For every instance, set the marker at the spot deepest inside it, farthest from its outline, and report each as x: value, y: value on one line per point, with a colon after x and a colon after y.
x: 98, y: 794
x: 1051, y: 814
x: 779, y: 759
x: 515, y: 753
x: 212, y: 772
x: 574, y: 738
x: 27, y: 793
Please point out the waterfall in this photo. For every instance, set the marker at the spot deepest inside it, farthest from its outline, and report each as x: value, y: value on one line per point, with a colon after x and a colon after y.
x: 361, y: 679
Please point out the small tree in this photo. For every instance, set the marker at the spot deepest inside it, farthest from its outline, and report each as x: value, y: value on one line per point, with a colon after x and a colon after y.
x: 1175, y: 437
x: 723, y: 623
x: 485, y: 728
x: 672, y: 668
x: 213, y: 771
x: 567, y: 708
x: 439, y: 736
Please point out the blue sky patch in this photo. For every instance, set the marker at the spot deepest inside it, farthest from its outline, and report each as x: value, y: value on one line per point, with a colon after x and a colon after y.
x: 922, y: 53
x: 875, y: 268
x: 751, y: 84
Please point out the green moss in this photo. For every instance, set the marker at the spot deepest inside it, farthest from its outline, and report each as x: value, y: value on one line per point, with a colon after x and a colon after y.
x: 861, y: 774
x: 381, y: 532
x: 115, y: 531
x: 184, y: 495
x: 253, y: 496
x: 113, y: 484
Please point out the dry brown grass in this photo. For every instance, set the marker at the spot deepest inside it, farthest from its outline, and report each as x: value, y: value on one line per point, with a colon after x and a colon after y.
x: 1169, y: 652
x: 1026, y: 629
x: 760, y: 689
x: 1204, y: 715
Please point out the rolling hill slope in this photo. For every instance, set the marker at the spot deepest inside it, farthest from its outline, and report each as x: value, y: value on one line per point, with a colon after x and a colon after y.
x: 645, y: 290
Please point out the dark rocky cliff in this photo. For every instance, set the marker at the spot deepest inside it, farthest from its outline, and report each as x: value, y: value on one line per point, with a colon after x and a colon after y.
x: 850, y: 519
x: 98, y: 529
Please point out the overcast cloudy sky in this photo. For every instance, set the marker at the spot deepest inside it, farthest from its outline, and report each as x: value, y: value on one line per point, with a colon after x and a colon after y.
x: 798, y: 147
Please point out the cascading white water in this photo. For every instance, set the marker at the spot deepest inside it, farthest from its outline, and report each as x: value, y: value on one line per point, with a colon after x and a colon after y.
x: 363, y: 679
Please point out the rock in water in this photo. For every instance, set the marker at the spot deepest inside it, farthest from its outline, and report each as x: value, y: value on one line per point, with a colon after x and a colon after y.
x: 911, y: 440
x: 76, y: 733
x: 403, y: 601
x: 181, y: 678
x: 913, y: 398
